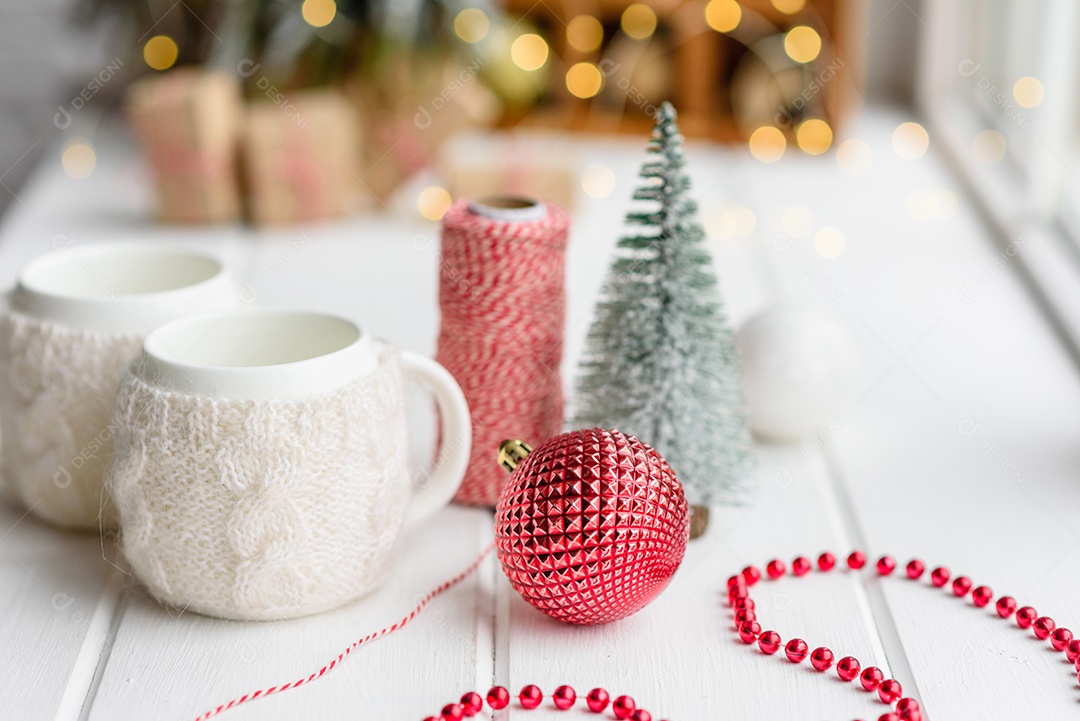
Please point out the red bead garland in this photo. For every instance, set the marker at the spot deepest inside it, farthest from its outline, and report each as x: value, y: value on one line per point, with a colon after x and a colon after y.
x: 530, y: 697
x: 796, y: 650
x: 597, y: 700
x: 872, y: 678
x: 848, y: 668
x: 821, y: 659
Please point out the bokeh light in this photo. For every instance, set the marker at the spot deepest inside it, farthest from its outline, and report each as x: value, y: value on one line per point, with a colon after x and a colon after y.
x: 790, y: 7
x: 767, y: 144
x: 472, y: 25
x: 802, y: 44
x: 160, y: 52
x: 736, y: 220
x: 1028, y: 91
x: 584, y: 33
x: 922, y: 205
x: 78, y: 158
x: 814, y: 136
x: 638, y: 21
x: 797, y: 221
x: 723, y: 16
x: 433, y: 202
x: 318, y: 13
x: 829, y: 242
x: 854, y: 156
x: 584, y: 80
x: 988, y: 146
x: 910, y: 141
x: 529, y: 52
x: 598, y: 181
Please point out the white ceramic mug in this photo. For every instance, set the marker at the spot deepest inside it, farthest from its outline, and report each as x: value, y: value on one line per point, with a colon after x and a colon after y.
x: 69, y: 328
x: 262, y: 467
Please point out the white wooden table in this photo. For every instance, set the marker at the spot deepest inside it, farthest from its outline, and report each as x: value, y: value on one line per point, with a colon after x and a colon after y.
x: 962, y: 449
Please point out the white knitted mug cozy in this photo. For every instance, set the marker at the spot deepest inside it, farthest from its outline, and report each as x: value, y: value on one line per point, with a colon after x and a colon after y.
x: 69, y: 328
x: 57, y: 390
x: 272, y: 507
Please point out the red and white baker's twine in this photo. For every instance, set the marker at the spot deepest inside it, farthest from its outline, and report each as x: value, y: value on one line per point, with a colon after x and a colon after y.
x: 431, y: 595
x: 503, y: 302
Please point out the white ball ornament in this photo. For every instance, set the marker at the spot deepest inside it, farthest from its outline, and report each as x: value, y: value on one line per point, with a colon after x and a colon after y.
x: 800, y: 371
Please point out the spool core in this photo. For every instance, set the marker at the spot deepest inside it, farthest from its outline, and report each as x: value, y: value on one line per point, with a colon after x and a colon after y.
x: 514, y: 208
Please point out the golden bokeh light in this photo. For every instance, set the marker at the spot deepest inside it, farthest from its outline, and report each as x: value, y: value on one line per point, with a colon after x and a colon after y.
x: 318, y: 13
x: 584, y: 33
x: 1028, y: 91
x: 797, y: 221
x: 947, y: 202
x: 988, y: 146
x: 598, y: 181
x: 78, y: 159
x: 767, y: 144
x: 472, y: 25
x: 433, y: 202
x: 910, y: 141
x: 160, y: 52
x: 854, y: 156
x: 638, y: 21
x: 789, y: 7
x: 814, y: 136
x: 736, y: 220
x: 922, y: 205
x: 529, y: 52
x: 829, y: 242
x: 802, y: 44
x: 584, y: 80
x: 723, y: 16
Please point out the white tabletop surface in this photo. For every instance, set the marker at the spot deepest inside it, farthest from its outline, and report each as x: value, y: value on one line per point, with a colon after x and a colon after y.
x: 961, y: 449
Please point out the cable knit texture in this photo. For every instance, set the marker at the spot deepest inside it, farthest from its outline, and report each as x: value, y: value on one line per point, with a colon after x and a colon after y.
x: 57, y: 391
x: 258, y: 510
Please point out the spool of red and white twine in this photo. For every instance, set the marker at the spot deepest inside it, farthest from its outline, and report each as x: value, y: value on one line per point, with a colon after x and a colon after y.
x: 503, y: 301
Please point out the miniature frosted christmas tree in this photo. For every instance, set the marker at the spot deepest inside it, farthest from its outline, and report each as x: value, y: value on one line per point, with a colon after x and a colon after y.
x: 660, y: 361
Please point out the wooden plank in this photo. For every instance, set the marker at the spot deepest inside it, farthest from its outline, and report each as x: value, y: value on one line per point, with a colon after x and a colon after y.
x: 960, y: 450
x: 680, y: 657
x: 58, y: 594
x: 166, y: 664
x: 62, y: 591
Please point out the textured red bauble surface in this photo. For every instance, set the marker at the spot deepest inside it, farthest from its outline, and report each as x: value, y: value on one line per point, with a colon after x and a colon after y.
x: 591, y: 526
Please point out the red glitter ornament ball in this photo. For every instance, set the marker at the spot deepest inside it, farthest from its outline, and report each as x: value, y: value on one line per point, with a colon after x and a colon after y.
x: 591, y: 526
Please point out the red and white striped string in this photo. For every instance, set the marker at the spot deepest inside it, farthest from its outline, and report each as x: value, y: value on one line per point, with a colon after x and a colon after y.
x: 431, y: 595
x: 503, y: 301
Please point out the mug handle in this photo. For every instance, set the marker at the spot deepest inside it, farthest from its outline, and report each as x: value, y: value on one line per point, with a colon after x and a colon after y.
x: 456, y: 445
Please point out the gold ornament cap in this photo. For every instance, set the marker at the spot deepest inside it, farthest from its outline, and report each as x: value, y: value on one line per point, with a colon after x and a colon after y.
x: 512, y: 452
